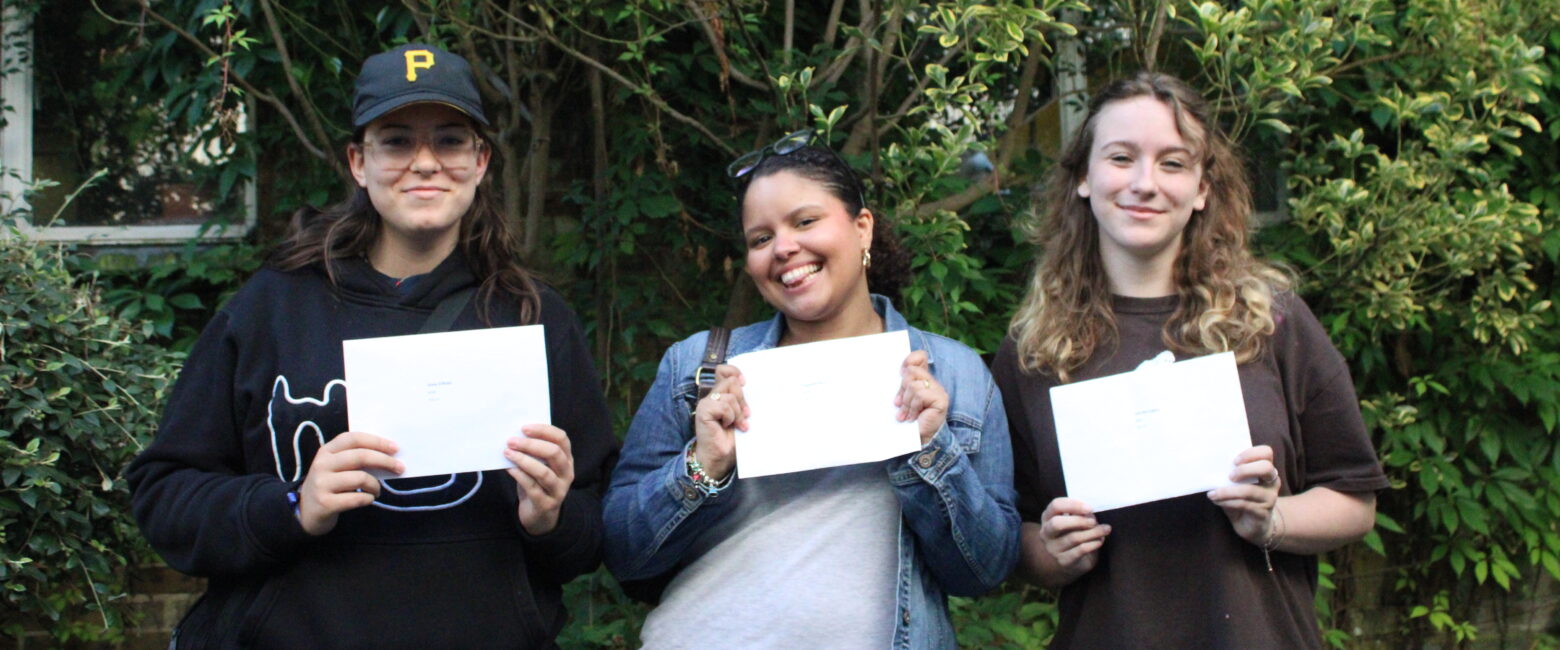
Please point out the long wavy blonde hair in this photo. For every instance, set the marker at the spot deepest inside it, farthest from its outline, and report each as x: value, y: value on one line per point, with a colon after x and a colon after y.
x: 1226, y: 294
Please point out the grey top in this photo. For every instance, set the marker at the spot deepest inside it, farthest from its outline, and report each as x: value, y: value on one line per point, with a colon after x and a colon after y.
x: 807, y: 560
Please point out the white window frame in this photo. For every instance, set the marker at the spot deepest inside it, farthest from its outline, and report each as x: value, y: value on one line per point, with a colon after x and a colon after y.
x: 16, y: 161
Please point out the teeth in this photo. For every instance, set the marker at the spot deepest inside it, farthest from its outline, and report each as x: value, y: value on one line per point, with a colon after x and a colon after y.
x: 798, y: 274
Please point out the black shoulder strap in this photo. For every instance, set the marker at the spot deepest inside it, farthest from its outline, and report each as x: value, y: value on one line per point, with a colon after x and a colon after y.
x: 444, y: 314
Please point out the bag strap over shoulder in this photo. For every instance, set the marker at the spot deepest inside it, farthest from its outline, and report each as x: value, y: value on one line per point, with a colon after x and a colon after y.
x: 649, y: 589
x: 444, y: 314
x: 714, y: 355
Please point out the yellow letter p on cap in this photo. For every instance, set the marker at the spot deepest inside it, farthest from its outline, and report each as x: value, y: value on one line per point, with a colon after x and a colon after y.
x: 417, y: 59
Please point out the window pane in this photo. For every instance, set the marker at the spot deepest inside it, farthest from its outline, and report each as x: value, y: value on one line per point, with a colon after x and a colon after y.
x: 97, y: 107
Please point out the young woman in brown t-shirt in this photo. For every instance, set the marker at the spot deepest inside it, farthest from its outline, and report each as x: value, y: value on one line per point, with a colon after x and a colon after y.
x: 1145, y: 249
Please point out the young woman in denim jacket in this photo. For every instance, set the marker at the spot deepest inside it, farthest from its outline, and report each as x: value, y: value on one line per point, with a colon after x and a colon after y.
x: 844, y: 557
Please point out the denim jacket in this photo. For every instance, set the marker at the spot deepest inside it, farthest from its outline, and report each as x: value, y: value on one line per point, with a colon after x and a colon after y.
x: 958, y: 533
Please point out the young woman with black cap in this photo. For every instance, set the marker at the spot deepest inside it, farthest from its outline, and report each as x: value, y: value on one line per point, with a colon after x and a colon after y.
x: 253, y: 481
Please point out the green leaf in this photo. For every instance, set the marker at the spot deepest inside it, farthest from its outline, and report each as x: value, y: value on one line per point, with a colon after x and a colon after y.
x: 186, y: 301
x: 659, y: 206
x: 1386, y: 521
x: 1372, y: 541
x: 1489, y: 443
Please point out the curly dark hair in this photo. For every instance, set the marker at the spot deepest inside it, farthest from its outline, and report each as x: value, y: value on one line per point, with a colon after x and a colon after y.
x: 890, y: 270
x: 1226, y: 293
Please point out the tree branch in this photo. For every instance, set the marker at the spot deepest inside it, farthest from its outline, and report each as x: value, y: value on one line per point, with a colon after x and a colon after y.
x: 1026, y: 85
x: 279, y: 105
x: 832, y: 27
x: 790, y: 32
x: 720, y: 49
x: 852, y: 46
x: 736, y: 14
x: 1372, y: 60
x: 961, y: 200
x: 309, y: 111
x: 1156, y: 32
x: 914, y: 96
x: 648, y: 93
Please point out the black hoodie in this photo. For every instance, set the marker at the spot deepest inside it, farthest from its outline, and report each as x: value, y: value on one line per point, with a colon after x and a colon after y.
x: 439, y: 562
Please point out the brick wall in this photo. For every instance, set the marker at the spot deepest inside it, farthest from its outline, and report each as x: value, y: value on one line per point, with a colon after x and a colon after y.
x: 158, y: 598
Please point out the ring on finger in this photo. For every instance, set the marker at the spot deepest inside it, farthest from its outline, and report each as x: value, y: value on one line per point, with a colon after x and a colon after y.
x: 926, y: 383
x: 715, y: 396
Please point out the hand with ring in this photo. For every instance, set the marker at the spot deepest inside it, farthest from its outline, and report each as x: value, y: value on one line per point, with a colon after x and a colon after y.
x: 920, y: 397
x: 715, y: 421
x: 1250, y: 501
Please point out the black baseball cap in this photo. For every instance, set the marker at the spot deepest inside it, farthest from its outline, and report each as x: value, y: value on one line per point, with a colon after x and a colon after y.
x: 414, y: 73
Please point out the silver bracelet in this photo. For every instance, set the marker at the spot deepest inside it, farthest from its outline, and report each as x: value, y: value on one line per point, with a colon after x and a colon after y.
x: 1275, y: 536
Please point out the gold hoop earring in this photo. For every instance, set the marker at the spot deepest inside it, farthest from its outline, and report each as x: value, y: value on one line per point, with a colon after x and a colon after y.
x: 866, y: 258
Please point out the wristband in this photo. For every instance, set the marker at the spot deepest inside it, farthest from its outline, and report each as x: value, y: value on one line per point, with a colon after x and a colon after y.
x: 1275, y: 535
x: 292, y: 498
x: 701, y: 479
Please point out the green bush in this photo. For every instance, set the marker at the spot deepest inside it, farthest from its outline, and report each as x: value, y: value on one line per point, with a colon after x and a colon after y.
x: 1423, y: 223
x: 177, y: 292
x: 1418, y: 140
x: 79, y: 392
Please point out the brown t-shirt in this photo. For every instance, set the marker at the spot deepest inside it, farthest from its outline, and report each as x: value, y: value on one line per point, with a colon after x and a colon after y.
x: 1173, y: 573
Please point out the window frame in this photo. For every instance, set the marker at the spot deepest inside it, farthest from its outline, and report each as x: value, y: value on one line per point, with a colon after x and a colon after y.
x: 16, y: 163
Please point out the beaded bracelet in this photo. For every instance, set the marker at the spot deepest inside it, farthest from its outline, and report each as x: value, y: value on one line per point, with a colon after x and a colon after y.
x: 701, y: 478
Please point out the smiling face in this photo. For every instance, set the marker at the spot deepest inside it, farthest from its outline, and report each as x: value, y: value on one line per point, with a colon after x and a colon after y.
x: 804, y: 250
x: 1143, y: 184
x: 418, y: 182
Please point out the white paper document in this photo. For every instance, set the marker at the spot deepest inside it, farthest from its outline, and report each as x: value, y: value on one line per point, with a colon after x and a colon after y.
x: 450, y: 400
x: 1163, y: 430
x: 823, y: 404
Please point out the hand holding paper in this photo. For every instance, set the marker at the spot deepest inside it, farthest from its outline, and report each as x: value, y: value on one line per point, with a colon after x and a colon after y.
x: 543, y: 470
x: 1250, y: 502
x: 339, y: 478
x: 921, y: 398
x: 716, y: 419
x: 823, y: 404
x: 1161, y: 431
x: 450, y: 400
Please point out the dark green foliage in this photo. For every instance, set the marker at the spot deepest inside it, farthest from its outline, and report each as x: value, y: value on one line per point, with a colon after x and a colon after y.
x: 1422, y: 222
x: 80, y: 389
x: 1419, y: 142
x: 176, y: 292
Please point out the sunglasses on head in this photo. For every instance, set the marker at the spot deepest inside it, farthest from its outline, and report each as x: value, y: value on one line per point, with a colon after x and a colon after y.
x: 787, y: 145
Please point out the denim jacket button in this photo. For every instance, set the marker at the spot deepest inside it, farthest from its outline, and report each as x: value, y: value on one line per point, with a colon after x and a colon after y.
x: 690, y: 493
x: 926, y: 459
x: 907, y: 617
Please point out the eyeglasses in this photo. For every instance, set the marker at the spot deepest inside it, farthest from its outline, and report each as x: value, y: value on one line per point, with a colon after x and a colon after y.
x: 784, y: 146
x: 791, y: 143
x: 455, y: 149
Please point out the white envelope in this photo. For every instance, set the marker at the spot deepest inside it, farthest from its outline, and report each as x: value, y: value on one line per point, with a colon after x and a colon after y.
x: 1163, y: 430
x: 449, y: 400
x: 823, y: 404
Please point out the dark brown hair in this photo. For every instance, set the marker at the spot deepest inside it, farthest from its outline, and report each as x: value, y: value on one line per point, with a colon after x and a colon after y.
x: 349, y: 229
